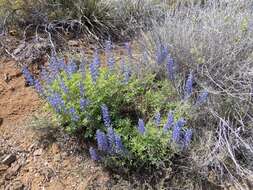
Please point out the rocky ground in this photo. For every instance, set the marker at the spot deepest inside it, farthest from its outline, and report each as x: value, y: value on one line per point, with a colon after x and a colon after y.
x: 33, y: 154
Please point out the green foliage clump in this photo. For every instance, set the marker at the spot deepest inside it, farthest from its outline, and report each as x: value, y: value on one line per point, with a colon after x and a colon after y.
x: 138, y: 98
x: 125, y: 101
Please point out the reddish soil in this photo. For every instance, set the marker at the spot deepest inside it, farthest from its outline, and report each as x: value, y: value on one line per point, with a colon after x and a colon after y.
x: 16, y: 100
x: 45, y: 158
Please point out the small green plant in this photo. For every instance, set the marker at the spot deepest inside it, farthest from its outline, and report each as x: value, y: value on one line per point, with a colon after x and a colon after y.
x: 82, y: 98
x: 111, y: 104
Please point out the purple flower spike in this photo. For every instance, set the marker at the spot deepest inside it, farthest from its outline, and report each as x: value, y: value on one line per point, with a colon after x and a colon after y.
x: 158, y: 119
x: 108, y: 46
x: 169, y: 122
x: 56, y: 101
x: 81, y: 89
x: 187, y: 137
x: 118, y: 144
x: 94, y: 72
x: 111, y: 138
x: 176, y: 133
x: 106, y: 116
x: 74, y: 116
x: 28, y: 76
x: 71, y: 68
x: 188, y: 85
x: 125, y: 70
x: 141, y: 126
x: 96, y: 59
x: 161, y: 54
x: 38, y: 87
x: 93, y: 154
x: 111, y: 61
x: 170, y: 68
x: 177, y: 130
x: 83, y: 103
x: 102, y: 141
x: 202, y: 97
x: 63, y: 86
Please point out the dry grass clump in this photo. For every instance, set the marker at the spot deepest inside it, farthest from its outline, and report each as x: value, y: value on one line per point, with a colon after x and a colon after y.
x: 215, y: 42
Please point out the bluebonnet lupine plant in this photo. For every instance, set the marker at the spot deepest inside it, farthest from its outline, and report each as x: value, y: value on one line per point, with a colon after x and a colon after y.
x: 177, y: 130
x: 119, y: 148
x: 157, y: 118
x: 114, y: 142
x: 94, y: 72
x: 94, y: 66
x: 74, y: 115
x: 102, y: 141
x: 169, y: 123
x: 125, y: 70
x: 202, y: 98
x: 141, y: 126
x: 96, y: 59
x: 145, y: 56
x: 93, y: 154
x: 81, y: 89
x: 53, y: 67
x: 109, y: 143
x: 188, y: 85
x: 111, y: 138
x: 45, y: 76
x: 170, y: 68
x: 56, y: 101
x: 71, y: 68
x: 28, y: 76
x: 63, y: 86
x: 111, y: 61
x: 83, y: 103
x: 38, y: 87
x: 187, y: 137
x: 161, y: 54
x: 109, y: 55
x: 108, y: 46
x: 106, y: 116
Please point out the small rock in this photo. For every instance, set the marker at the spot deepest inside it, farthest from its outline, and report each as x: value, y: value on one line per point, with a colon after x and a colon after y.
x: 64, y: 154
x: 73, y: 43
x: 1, y: 121
x: 57, y: 158
x: 38, y: 152
x: 55, y: 148
x: 9, y: 159
x: 7, y: 77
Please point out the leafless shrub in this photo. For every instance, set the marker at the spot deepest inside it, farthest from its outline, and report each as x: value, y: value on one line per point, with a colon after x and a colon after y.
x: 215, y: 42
x: 94, y: 19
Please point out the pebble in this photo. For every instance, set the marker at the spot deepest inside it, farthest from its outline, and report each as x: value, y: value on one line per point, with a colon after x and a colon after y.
x: 9, y: 159
x: 38, y: 152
